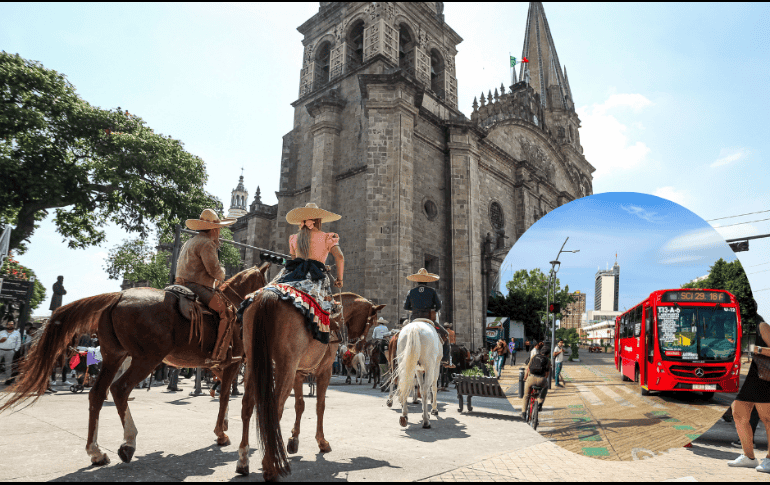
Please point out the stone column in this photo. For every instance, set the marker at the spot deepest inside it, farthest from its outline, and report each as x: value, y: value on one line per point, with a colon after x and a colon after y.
x: 326, y: 130
x: 390, y: 115
x: 465, y: 236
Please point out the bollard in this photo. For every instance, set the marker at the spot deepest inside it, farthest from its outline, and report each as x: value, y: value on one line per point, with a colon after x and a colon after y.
x: 521, y: 383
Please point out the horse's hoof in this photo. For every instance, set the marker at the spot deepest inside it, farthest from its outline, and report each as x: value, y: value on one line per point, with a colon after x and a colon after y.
x: 426, y: 425
x: 434, y: 412
x: 126, y: 453
x: 292, y: 446
x: 242, y: 470
x: 223, y: 442
x: 325, y: 447
x: 389, y: 403
x: 105, y: 460
x: 402, y: 421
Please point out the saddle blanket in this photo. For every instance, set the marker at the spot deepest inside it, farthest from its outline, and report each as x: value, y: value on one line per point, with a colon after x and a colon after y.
x: 316, y: 319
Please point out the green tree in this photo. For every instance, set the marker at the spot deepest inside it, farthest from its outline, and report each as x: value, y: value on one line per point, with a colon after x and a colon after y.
x: 731, y: 277
x: 135, y: 260
x: 526, y: 301
x: 91, y: 166
x: 13, y: 270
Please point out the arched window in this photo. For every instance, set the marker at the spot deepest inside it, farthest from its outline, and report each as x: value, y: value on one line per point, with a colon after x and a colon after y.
x: 437, y: 73
x: 405, y: 49
x: 571, y: 138
x: 355, y: 41
x: 322, y: 63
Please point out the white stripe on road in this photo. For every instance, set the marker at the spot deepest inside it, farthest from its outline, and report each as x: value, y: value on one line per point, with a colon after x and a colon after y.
x: 614, y: 396
x: 589, y: 396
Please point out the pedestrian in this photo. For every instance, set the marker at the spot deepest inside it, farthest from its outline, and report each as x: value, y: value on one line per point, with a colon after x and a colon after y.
x: 58, y: 292
x: 10, y: 343
x: 536, y: 349
x: 173, y: 379
x: 559, y: 355
x: 526, y: 346
x: 512, y: 349
x: 754, y: 394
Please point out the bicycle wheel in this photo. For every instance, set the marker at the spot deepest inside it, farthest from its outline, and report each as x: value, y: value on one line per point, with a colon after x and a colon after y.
x: 535, y: 414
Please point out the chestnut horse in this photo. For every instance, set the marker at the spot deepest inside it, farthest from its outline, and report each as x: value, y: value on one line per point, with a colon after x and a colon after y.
x: 280, y: 352
x: 143, y: 323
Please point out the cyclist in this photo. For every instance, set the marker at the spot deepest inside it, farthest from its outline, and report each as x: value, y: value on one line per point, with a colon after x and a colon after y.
x: 536, y: 374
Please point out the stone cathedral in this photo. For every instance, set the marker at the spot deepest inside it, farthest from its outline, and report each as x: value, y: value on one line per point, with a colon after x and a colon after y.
x: 378, y: 138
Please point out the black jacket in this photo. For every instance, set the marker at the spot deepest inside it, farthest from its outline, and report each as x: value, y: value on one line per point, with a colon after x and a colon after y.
x: 422, y: 298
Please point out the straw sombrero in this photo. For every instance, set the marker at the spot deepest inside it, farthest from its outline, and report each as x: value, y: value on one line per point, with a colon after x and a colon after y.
x: 208, y: 220
x: 448, y: 324
x: 310, y: 211
x: 423, y: 276
x: 382, y: 320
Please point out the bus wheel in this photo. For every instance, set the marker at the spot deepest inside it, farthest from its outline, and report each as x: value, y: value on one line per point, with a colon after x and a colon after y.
x: 708, y: 395
x: 645, y: 392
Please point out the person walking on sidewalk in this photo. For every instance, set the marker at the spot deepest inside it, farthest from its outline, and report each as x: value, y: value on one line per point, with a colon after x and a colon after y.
x: 10, y: 342
x: 754, y: 394
x: 559, y: 355
x: 512, y: 349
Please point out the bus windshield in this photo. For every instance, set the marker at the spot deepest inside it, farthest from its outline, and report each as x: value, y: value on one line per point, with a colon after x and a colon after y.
x: 697, y: 333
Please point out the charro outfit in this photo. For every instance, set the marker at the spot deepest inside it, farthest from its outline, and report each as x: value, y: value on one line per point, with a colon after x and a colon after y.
x: 422, y: 300
x: 198, y: 269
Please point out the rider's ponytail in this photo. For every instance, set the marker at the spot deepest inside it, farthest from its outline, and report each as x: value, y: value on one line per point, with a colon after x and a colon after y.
x: 303, y: 239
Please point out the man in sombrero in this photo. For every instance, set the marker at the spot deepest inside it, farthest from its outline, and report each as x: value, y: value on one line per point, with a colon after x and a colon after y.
x: 422, y: 300
x: 199, y: 270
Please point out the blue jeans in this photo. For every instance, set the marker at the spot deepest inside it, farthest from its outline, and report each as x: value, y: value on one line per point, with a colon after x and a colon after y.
x: 557, y: 372
x: 499, y: 364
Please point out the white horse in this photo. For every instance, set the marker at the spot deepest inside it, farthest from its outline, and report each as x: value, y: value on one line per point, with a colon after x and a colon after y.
x: 359, y: 365
x: 418, y: 346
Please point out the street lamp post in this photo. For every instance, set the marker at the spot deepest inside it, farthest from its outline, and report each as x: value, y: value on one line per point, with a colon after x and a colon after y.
x: 555, y: 265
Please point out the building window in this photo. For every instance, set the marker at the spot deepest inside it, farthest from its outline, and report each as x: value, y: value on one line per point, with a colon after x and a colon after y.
x: 405, y: 49
x: 356, y: 45
x: 496, y: 216
x: 437, y: 74
x: 431, y: 210
x: 322, y: 59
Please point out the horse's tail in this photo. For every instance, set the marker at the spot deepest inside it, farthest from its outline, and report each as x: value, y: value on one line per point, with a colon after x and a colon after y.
x: 261, y: 375
x: 408, y: 357
x: 81, y: 316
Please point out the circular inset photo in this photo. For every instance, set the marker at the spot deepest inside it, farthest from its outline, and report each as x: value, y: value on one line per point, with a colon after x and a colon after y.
x: 631, y: 312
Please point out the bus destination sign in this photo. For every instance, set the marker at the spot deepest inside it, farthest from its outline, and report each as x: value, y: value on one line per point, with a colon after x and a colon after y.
x: 696, y: 296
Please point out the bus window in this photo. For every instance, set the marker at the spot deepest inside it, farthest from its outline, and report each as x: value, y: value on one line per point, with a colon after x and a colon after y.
x: 638, y: 323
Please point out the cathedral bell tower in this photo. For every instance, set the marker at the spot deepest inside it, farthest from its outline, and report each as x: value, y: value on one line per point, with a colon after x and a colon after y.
x: 238, y: 200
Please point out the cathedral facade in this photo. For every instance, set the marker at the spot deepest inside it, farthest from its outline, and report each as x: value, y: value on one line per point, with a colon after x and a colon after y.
x: 378, y: 138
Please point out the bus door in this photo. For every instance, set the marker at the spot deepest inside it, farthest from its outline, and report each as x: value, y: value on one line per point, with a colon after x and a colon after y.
x: 648, y: 348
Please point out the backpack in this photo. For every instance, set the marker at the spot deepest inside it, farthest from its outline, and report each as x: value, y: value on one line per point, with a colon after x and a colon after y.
x: 538, y: 365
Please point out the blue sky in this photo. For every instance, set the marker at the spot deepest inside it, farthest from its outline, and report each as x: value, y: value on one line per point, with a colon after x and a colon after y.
x: 659, y: 245
x: 672, y: 97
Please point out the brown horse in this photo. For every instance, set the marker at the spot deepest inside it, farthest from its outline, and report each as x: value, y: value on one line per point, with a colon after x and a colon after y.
x: 280, y: 352
x: 143, y: 323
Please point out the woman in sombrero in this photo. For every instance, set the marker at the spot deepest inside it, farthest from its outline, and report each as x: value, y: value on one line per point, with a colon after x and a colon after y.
x: 310, y: 247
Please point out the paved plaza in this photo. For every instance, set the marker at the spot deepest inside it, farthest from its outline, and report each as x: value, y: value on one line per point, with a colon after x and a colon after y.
x: 176, y: 443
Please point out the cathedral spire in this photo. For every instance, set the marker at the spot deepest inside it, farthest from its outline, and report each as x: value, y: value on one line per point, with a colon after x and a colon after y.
x: 543, y: 66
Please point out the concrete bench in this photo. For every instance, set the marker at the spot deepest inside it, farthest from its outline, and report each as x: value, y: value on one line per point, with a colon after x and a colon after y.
x: 481, y: 387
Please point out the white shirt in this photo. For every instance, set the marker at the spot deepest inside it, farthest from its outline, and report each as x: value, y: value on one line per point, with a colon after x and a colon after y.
x: 533, y: 353
x: 379, y: 331
x: 560, y: 357
x: 13, y: 340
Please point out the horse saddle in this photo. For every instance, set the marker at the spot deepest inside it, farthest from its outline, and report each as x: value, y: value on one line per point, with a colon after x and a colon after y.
x: 433, y: 324
x: 187, y: 300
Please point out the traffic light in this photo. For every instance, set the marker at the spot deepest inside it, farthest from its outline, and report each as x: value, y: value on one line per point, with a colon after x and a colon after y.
x: 739, y: 246
x: 271, y: 258
x: 554, y: 308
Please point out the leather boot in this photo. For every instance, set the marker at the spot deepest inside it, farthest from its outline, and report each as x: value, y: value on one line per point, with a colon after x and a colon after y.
x: 220, y: 357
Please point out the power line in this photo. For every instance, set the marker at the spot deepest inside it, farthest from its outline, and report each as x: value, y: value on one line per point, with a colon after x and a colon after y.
x: 754, y: 266
x: 763, y: 289
x: 739, y: 215
x: 763, y: 271
x: 739, y: 223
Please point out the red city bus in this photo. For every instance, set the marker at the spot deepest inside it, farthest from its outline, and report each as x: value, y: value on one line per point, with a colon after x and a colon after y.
x: 681, y: 340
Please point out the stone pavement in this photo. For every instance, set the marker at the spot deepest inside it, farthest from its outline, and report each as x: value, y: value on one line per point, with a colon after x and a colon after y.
x: 175, y: 443
x: 597, y: 414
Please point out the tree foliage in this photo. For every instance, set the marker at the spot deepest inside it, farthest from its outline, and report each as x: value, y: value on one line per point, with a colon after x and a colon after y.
x: 137, y: 261
x: 731, y: 277
x: 526, y: 301
x: 91, y: 166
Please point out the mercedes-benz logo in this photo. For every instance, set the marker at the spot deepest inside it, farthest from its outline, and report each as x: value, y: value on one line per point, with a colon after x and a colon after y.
x: 699, y: 372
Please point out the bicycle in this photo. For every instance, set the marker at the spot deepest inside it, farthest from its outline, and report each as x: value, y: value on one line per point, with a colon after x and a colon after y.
x: 533, y: 408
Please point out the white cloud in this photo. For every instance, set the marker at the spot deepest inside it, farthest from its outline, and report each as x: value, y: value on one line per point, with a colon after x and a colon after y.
x: 694, y: 240
x: 672, y: 194
x: 680, y: 259
x: 604, y: 138
x: 735, y: 232
x: 641, y: 213
x: 730, y: 155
